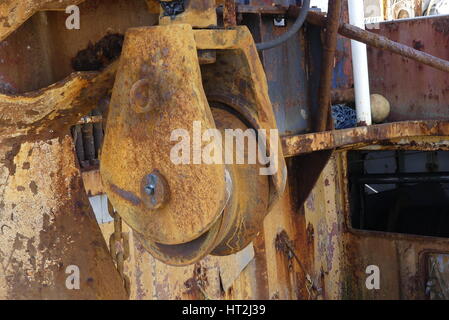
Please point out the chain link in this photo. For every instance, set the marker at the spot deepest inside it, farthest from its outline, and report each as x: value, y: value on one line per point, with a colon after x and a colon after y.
x: 119, y: 247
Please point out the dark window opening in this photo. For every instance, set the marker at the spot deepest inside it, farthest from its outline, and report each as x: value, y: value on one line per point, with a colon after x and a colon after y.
x: 400, y: 191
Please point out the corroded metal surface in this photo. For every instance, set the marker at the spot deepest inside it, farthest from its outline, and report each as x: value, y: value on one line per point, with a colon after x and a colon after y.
x: 270, y: 274
x: 383, y: 43
x: 286, y: 68
x: 197, y: 13
x: 47, y: 225
x: 241, y: 220
x: 229, y: 14
x: 425, y: 96
x: 38, y: 167
x: 238, y: 80
x: 333, y: 255
x: 52, y: 110
x: 42, y: 51
x: 13, y: 13
x: 295, y: 145
x: 327, y: 67
x: 137, y: 143
x: 248, y: 205
x: 189, y: 225
x: 402, y: 258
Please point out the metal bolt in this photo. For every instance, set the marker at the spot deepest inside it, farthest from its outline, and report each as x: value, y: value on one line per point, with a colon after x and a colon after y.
x: 155, y: 190
x: 143, y: 96
x: 150, y: 189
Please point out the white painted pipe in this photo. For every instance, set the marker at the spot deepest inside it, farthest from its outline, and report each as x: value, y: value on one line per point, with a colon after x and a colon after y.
x: 360, y: 65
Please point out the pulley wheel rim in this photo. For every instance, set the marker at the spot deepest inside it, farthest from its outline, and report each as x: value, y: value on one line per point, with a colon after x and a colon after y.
x: 229, y: 234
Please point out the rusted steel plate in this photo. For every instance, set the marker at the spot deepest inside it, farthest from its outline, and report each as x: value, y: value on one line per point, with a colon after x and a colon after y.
x: 15, y: 12
x: 286, y: 71
x: 424, y: 94
x: 383, y: 43
x: 219, y: 39
x: 339, y: 255
x: 138, y: 138
x: 401, y: 258
x: 42, y: 51
x: 47, y: 225
x: 293, y: 69
x: 51, y: 111
x: 295, y: 145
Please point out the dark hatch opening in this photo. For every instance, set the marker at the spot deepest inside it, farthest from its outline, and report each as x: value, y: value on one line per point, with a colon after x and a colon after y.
x: 400, y: 191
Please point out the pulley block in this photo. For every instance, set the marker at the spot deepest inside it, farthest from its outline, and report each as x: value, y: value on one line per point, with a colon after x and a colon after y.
x: 153, y: 165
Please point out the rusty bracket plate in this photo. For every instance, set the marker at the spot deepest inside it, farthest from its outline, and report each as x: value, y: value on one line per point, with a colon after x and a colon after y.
x: 238, y: 81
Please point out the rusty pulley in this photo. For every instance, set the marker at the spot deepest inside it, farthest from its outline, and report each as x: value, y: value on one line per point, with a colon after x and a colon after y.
x: 184, y: 209
x: 157, y: 91
x: 239, y: 222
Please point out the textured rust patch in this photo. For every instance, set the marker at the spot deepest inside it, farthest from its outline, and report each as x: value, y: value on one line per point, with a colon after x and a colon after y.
x: 8, y: 161
x: 33, y: 187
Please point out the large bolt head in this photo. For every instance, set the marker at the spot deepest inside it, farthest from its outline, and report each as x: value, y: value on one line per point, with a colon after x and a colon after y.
x: 154, y: 189
x: 142, y: 96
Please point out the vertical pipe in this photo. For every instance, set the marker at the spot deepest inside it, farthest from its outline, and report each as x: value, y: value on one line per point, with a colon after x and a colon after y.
x: 329, y: 46
x: 360, y: 65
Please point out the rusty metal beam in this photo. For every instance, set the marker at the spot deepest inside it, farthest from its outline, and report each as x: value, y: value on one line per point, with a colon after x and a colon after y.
x: 329, y: 47
x: 428, y: 177
x: 229, y: 14
x: 264, y: 9
x: 301, y: 144
x: 382, y: 43
x: 51, y: 111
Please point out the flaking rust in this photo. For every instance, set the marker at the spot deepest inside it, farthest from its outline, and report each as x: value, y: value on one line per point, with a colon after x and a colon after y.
x: 45, y: 215
x: 192, y: 68
x: 47, y: 225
